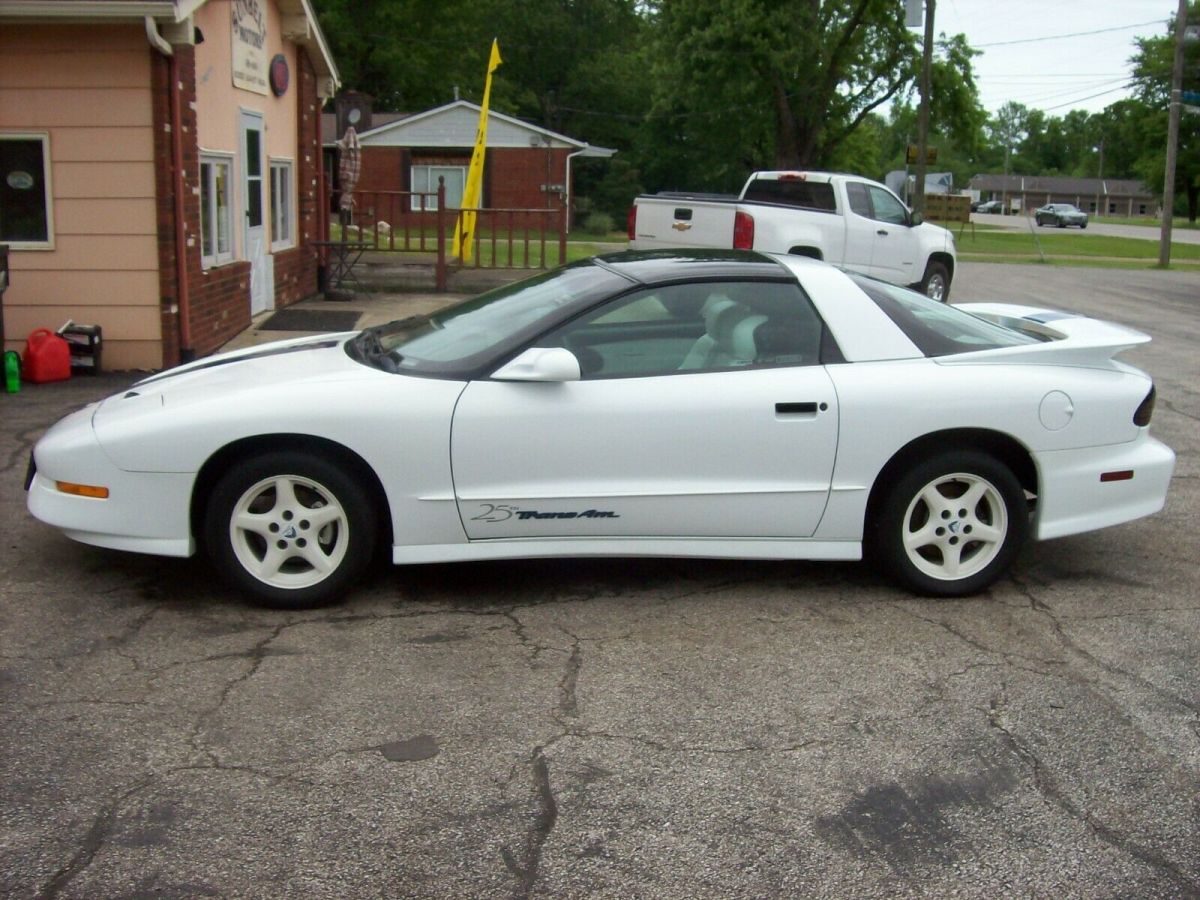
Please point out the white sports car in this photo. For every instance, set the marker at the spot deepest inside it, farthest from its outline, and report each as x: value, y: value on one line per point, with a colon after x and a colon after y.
x: 706, y: 403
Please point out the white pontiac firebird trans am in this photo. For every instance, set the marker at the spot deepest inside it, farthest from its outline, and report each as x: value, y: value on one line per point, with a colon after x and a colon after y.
x: 671, y: 403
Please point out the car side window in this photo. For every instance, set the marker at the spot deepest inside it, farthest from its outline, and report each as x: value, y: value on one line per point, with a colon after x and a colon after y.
x: 688, y: 328
x: 887, y: 207
x: 860, y: 203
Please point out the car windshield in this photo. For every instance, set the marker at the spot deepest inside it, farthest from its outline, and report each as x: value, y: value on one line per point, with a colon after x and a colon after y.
x: 937, y: 329
x: 455, y: 341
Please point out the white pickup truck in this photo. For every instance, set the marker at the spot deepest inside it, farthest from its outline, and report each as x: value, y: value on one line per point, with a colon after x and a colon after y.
x: 849, y: 221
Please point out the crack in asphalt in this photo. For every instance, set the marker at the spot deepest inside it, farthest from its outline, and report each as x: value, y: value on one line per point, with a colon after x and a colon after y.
x: 1049, y: 788
x: 525, y: 871
x: 568, y: 702
x: 103, y: 822
x: 93, y: 841
x: 257, y: 654
x: 1068, y: 643
x: 1163, y: 401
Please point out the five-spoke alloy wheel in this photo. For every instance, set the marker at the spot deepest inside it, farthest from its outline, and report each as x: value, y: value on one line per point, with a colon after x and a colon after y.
x: 952, y: 524
x: 290, y: 528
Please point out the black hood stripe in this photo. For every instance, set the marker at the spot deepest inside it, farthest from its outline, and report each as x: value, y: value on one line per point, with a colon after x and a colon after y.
x: 278, y: 351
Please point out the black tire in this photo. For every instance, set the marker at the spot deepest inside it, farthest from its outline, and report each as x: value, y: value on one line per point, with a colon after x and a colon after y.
x: 922, y: 558
x: 936, y: 283
x: 1083, y: 226
x: 291, y: 574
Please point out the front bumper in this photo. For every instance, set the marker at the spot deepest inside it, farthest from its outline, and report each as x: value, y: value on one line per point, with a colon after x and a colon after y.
x: 145, y: 512
x: 1073, y: 499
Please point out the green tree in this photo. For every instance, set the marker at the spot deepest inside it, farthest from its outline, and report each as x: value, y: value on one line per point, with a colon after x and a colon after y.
x: 1007, y: 129
x: 1153, y: 64
x: 746, y: 82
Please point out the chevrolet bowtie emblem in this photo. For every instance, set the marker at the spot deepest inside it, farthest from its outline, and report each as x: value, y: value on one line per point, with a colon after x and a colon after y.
x: 681, y: 226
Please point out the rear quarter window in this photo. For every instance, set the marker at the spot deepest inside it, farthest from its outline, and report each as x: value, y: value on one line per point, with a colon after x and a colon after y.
x: 937, y: 329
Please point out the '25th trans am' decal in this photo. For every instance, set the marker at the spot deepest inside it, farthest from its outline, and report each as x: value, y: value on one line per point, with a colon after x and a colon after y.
x: 491, y: 512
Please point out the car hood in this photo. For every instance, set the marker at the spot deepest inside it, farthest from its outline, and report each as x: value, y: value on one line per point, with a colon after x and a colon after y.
x: 228, y: 377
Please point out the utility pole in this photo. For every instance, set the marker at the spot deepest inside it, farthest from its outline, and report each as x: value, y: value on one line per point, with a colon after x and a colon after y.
x: 1164, y: 240
x: 923, y: 113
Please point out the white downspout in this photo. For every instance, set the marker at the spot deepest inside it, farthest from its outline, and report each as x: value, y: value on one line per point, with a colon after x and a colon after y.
x: 567, y: 187
x: 157, y: 40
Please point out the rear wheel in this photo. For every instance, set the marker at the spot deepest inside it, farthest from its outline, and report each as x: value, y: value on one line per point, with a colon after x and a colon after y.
x: 936, y: 283
x: 291, y: 529
x: 951, y: 525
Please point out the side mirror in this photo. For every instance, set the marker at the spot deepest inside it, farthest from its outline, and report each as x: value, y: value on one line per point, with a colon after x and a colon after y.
x: 915, y: 219
x: 540, y: 364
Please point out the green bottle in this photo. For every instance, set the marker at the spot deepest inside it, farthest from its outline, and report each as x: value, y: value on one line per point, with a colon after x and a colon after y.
x: 12, y: 371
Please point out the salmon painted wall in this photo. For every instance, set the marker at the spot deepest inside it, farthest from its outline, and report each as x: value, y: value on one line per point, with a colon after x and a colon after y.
x: 218, y: 102
x: 91, y: 96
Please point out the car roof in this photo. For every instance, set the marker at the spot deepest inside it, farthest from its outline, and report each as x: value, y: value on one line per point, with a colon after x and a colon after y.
x: 651, y: 266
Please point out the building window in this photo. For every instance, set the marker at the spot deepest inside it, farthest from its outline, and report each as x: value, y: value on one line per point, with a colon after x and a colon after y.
x: 425, y: 180
x: 283, y: 218
x: 216, y: 205
x: 1141, y: 209
x: 25, y: 207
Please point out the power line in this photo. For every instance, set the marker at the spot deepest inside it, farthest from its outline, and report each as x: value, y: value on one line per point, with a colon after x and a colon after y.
x: 1057, y: 37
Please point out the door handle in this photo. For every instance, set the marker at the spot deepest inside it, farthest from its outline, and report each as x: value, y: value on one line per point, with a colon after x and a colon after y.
x: 882, y: 231
x: 799, y: 409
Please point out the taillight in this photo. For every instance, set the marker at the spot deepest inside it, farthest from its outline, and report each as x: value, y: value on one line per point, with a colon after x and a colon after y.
x: 743, y: 231
x: 1145, y: 410
x: 631, y: 223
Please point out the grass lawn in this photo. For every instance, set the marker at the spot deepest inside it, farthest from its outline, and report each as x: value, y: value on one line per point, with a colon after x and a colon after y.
x: 1066, y: 246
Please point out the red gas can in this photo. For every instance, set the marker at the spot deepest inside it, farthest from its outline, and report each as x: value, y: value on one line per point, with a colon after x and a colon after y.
x: 47, y: 357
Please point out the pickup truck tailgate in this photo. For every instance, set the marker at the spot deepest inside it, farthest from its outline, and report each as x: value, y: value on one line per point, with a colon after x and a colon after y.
x: 683, y: 223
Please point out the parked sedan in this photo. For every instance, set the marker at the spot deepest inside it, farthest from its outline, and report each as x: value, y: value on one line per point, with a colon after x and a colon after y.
x: 990, y: 206
x: 1060, y: 214
x: 675, y: 403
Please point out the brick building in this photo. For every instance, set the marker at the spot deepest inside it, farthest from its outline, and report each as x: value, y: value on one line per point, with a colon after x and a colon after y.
x: 160, y: 168
x: 1098, y: 196
x: 526, y: 167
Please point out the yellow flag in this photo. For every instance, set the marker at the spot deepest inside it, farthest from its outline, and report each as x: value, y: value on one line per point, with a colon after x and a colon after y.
x: 464, y: 230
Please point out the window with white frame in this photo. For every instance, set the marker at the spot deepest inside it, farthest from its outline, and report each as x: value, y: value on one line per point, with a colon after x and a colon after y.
x: 25, y: 207
x: 283, y: 216
x: 216, y: 209
x: 425, y: 180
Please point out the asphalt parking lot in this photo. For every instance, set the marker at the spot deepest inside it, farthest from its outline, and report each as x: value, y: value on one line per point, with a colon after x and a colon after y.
x: 631, y: 728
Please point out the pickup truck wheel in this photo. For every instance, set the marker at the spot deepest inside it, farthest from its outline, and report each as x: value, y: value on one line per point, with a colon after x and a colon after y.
x: 936, y: 283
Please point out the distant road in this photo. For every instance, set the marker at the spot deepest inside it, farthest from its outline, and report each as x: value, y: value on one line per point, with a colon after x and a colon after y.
x: 1145, y: 232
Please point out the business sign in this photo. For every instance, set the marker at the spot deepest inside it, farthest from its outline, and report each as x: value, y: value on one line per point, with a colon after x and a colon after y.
x: 249, y: 46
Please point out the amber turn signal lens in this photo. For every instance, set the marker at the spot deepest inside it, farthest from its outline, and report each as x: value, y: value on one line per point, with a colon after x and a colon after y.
x: 84, y: 490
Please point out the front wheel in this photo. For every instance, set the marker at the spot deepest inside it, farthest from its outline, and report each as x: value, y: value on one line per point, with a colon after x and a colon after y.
x: 936, y: 283
x: 952, y: 524
x: 290, y: 528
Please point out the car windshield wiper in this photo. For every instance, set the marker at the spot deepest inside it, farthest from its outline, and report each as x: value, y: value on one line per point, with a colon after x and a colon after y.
x: 369, y: 348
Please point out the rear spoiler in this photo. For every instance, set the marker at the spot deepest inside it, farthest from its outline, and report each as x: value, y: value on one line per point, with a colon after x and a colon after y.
x: 1065, y: 338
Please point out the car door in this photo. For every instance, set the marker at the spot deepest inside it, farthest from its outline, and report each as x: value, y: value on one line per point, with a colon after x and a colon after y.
x: 860, y: 229
x: 894, y: 257
x: 703, y: 411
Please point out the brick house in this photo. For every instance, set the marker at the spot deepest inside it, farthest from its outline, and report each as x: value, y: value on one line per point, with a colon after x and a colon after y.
x: 159, y: 168
x: 526, y: 167
x: 1098, y: 196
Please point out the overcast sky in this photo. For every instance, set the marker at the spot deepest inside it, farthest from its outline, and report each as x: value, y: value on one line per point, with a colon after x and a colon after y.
x: 1054, y: 74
